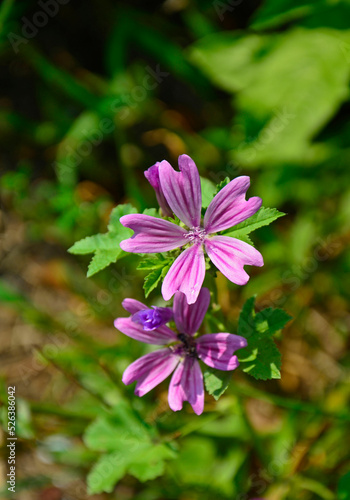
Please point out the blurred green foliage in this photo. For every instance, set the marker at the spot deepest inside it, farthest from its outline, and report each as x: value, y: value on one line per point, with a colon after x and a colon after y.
x: 98, y: 94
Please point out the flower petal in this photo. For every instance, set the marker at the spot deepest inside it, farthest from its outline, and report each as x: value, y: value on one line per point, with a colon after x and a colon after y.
x: 189, y: 317
x: 182, y: 190
x: 150, y: 370
x: 160, y: 336
x: 153, y: 318
x: 186, y: 275
x: 152, y: 175
x: 152, y: 235
x: 229, y: 206
x: 133, y: 306
x: 216, y: 350
x: 187, y: 385
x: 229, y: 255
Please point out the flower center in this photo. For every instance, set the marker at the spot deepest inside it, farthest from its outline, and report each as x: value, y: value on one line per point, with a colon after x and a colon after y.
x: 196, y: 235
x: 188, y: 344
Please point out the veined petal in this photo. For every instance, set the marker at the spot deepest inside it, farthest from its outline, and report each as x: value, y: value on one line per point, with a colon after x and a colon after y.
x: 160, y: 336
x: 152, y: 175
x: 189, y: 317
x: 216, y: 350
x: 187, y: 385
x: 152, y: 235
x: 186, y: 275
x: 133, y: 306
x: 182, y: 190
x: 151, y: 319
x: 229, y: 255
x: 150, y: 370
x: 229, y: 207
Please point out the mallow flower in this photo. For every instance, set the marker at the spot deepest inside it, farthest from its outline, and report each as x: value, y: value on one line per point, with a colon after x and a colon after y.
x: 182, y: 192
x: 152, y: 175
x: 182, y: 352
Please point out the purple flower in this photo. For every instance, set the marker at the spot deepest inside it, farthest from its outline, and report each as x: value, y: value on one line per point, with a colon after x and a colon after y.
x: 182, y: 191
x: 152, y: 175
x: 181, y: 357
x: 151, y: 319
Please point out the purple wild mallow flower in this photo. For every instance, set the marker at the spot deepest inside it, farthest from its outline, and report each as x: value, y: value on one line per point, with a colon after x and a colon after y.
x: 152, y: 175
x: 152, y: 318
x: 182, y: 355
x: 182, y: 191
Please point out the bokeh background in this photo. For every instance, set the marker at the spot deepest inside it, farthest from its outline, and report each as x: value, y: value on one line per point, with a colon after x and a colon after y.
x: 92, y: 94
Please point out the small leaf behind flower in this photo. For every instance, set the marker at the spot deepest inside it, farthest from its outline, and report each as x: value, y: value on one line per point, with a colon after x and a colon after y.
x: 263, y: 217
x: 105, y: 247
x: 261, y: 358
x: 216, y: 382
x: 159, y: 266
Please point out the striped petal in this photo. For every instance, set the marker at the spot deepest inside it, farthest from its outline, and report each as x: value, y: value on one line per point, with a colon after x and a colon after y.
x: 152, y: 235
x: 216, y: 350
x: 186, y: 275
x: 152, y: 175
x: 187, y: 385
x: 133, y: 306
x: 189, y: 317
x: 229, y: 206
x: 161, y: 336
x: 150, y: 370
x: 182, y: 190
x: 229, y: 255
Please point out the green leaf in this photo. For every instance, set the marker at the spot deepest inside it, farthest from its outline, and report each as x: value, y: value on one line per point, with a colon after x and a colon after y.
x: 157, y: 261
x: 208, y: 191
x: 222, y: 184
x: 272, y: 13
x: 271, y: 320
x: 344, y: 487
x: 105, y: 246
x: 106, y: 472
x: 262, y: 217
x: 261, y: 358
x: 153, y: 212
x: 144, y: 461
x: 272, y: 103
x: 159, y: 266
x: 216, y: 382
x: 149, y: 463
x: 129, y: 446
x: 152, y: 279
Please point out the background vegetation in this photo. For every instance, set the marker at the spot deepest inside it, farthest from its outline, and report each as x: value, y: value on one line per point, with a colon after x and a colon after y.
x: 93, y: 93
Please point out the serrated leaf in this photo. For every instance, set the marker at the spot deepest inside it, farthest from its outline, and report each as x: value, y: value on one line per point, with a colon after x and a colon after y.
x: 222, y: 184
x: 129, y: 446
x: 102, y: 259
x: 271, y: 320
x: 262, y: 217
x: 242, y: 237
x: 216, y: 382
x: 144, y: 461
x: 105, y: 246
x: 153, y: 262
x: 152, y: 280
x: 162, y: 266
x: 261, y: 358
